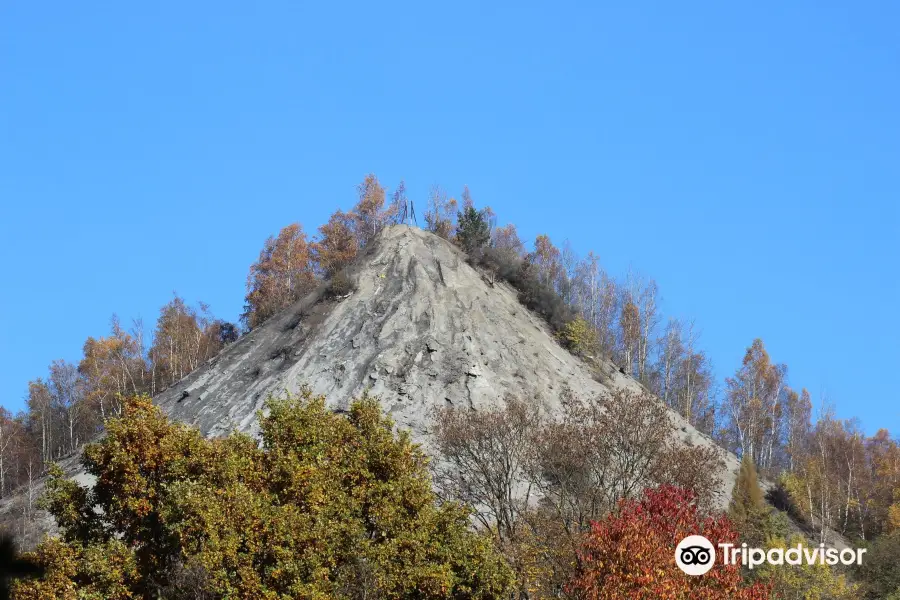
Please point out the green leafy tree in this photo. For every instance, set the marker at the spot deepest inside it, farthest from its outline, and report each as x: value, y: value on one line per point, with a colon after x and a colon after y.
x: 327, y: 506
x: 473, y: 232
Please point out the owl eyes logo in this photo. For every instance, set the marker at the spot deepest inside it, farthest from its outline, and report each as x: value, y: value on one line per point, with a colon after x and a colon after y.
x: 695, y: 555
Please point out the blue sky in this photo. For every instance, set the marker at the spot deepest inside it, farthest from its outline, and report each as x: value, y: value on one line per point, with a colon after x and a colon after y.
x: 744, y: 155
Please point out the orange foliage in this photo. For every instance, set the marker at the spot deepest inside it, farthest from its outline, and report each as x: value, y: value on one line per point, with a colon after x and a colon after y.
x: 339, y: 243
x: 284, y: 272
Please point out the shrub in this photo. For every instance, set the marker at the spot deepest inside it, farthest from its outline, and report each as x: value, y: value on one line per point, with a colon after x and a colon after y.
x: 579, y: 337
x: 880, y: 570
x: 533, y: 294
x: 630, y: 553
x: 326, y: 503
x: 340, y: 284
x: 812, y: 582
x: 779, y: 497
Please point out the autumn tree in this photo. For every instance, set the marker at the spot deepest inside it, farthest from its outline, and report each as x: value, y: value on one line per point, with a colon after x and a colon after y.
x: 880, y: 571
x: 646, y: 293
x: 506, y: 241
x: 338, y: 243
x: 483, y: 455
x: 328, y: 505
x: 884, y: 458
x: 615, y: 446
x: 440, y: 213
x: 113, y: 367
x: 579, y: 337
x: 41, y: 414
x: 692, y: 388
x: 597, y: 298
x: 546, y: 259
x: 807, y: 581
x: 754, y: 406
x: 67, y: 391
x: 370, y: 212
x: 832, y: 483
x: 184, y: 338
x: 629, y: 554
x: 284, y: 273
x: 629, y: 333
x: 11, y: 431
x: 482, y: 462
x: 797, y: 425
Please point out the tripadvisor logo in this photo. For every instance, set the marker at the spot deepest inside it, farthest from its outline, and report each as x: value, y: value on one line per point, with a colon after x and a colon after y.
x: 695, y: 555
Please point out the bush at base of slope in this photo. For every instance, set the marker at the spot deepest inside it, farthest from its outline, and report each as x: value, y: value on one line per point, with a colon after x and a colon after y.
x: 328, y: 506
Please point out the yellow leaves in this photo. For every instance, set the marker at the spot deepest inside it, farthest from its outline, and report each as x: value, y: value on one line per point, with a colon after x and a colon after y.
x: 327, y: 500
x: 284, y: 272
x: 893, y: 520
x: 579, y: 336
x: 60, y: 562
x: 338, y: 243
x: 808, y: 581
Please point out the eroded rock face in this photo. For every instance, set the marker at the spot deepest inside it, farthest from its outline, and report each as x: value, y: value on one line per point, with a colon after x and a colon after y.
x: 421, y: 330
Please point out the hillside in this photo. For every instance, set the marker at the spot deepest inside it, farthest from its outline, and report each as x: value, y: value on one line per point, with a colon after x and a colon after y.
x: 421, y: 329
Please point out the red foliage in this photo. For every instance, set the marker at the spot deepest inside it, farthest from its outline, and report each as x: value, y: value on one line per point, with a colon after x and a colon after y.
x: 631, y: 554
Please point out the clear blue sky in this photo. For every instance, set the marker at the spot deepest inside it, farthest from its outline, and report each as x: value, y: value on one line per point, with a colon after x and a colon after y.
x: 745, y: 155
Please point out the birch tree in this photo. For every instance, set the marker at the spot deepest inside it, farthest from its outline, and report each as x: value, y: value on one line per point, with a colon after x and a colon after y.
x: 754, y: 405
x: 67, y: 393
x: 283, y: 273
x: 370, y: 212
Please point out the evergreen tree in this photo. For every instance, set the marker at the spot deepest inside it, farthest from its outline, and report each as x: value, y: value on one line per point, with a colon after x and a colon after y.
x: 472, y: 229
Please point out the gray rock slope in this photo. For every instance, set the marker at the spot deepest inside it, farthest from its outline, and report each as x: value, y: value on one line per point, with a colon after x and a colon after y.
x: 422, y: 329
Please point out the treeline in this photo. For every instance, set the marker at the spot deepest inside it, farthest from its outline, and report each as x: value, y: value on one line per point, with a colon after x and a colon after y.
x: 290, y: 264
x: 593, y: 312
x: 829, y: 471
x: 584, y: 503
x: 67, y: 407
x: 341, y: 505
x: 589, y: 465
